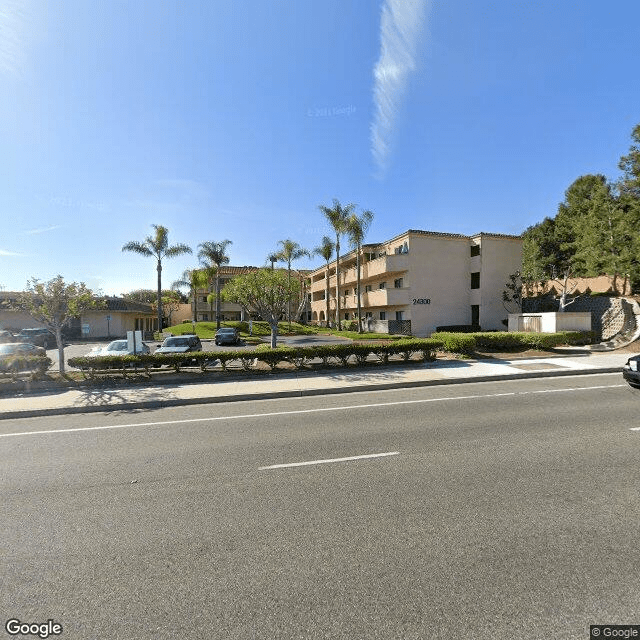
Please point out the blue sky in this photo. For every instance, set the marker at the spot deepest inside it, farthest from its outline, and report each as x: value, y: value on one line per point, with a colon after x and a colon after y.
x: 235, y: 119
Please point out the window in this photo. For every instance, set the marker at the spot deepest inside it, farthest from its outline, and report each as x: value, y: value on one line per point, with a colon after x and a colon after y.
x: 383, y: 315
x: 399, y: 315
x: 368, y: 314
x: 382, y: 285
x: 204, y: 298
x: 475, y: 250
x: 346, y: 316
x: 475, y: 280
x: 475, y: 314
x: 397, y: 283
x: 367, y: 288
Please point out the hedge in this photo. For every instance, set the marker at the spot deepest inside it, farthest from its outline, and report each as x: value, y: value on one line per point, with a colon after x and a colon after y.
x: 13, y: 365
x: 495, y: 340
x: 342, y: 354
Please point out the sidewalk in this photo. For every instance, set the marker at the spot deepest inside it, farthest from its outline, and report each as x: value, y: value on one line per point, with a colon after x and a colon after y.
x: 298, y: 384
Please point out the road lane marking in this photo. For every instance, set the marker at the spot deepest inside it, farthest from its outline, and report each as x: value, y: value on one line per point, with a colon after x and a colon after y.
x: 304, y: 411
x: 329, y: 460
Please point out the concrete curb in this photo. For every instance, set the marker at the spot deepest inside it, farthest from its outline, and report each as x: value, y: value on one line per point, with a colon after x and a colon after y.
x: 162, y: 404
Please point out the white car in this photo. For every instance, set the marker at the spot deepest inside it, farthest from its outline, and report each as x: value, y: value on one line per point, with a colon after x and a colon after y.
x: 118, y: 348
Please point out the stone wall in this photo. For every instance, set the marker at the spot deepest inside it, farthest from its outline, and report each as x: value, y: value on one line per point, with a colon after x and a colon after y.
x: 609, y: 316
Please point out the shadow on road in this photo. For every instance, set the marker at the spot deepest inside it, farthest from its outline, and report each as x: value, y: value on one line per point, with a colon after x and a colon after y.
x: 115, y: 397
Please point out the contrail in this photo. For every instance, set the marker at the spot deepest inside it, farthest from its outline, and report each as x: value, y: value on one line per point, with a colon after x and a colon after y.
x: 12, y: 26
x: 400, y: 27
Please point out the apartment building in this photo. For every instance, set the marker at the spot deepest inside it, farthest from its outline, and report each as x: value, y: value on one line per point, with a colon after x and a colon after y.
x: 421, y: 280
x: 206, y: 305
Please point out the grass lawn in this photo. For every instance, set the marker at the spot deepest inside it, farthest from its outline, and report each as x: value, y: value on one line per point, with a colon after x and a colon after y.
x: 262, y: 329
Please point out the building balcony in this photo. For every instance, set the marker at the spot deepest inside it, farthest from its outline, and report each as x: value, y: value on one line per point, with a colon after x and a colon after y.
x: 389, y: 265
x: 370, y: 299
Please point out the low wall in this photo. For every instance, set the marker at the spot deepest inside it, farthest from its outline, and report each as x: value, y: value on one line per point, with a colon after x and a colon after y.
x: 550, y: 321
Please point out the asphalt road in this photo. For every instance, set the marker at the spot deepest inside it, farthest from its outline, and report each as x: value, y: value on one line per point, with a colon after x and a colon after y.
x: 503, y: 510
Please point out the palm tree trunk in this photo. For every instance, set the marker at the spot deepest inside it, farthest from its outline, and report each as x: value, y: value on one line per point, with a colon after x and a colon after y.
x: 289, y: 297
x: 338, y: 323
x: 159, y: 299
x: 218, y: 297
x: 326, y: 295
x: 358, y: 287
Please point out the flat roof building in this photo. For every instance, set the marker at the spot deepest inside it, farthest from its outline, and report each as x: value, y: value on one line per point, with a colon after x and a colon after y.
x: 422, y: 280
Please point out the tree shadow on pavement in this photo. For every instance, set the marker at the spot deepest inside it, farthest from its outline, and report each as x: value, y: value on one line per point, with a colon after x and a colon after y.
x: 120, y: 398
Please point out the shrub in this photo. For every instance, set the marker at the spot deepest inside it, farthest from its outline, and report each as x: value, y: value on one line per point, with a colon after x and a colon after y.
x: 456, y: 342
x: 459, y: 328
x: 20, y: 364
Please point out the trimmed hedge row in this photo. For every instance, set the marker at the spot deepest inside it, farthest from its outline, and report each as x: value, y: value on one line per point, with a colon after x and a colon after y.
x: 342, y: 354
x: 468, y: 342
x: 19, y: 364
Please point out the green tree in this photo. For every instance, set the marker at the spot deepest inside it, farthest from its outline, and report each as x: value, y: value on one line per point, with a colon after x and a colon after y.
x: 630, y: 167
x: 55, y: 303
x: 325, y: 251
x: 157, y: 246
x: 265, y: 292
x: 338, y: 217
x: 192, y: 279
x: 357, y: 227
x: 289, y: 252
x: 213, y: 255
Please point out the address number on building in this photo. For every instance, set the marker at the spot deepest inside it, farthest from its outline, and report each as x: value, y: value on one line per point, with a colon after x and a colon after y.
x: 422, y: 301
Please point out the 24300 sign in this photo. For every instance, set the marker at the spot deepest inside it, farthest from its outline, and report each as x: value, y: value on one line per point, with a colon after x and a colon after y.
x: 422, y: 301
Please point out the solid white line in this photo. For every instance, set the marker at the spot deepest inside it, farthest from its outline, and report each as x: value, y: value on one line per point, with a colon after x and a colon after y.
x: 303, y: 411
x: 634, y: 429
x: 310, y: 462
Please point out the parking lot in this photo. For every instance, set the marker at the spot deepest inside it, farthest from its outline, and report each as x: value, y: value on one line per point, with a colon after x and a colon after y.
x: 76, y: 349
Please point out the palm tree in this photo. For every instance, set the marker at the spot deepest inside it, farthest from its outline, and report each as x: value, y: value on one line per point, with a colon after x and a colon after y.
x: 290, y: 251
x: 158, y: 246
x: 357, y: 227
x: 214, y: 255
x: 325, y: 251
x: 194, y: 279
x: 272, y: 258
x: 338, y: 217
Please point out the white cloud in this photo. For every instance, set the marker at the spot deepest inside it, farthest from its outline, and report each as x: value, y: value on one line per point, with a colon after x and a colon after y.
x: 10, y: 253
x: 400, y: 27
x: 13, y: 19
x: 42, y: 229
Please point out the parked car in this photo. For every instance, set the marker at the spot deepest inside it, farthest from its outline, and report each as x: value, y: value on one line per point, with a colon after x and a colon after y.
x: 6, y: 336
x: 118, y: 348
x: 227, y: 335
x: 20, y: 349
x: 631, y: 371
x: 38, y: 336
x: 180, y: 344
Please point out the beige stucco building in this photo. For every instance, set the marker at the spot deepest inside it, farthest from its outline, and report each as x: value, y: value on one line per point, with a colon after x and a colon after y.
x: 423, y: 280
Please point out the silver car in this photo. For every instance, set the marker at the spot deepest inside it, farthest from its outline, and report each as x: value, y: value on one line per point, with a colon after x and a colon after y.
x: 118, y: 348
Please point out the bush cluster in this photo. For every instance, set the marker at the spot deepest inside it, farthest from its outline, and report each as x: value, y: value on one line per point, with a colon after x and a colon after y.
x: 342, y: 354
x: 20, y: 364
x: 505, y: 340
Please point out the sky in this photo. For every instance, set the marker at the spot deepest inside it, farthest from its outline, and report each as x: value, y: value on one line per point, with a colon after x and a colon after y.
x: 236, y: 119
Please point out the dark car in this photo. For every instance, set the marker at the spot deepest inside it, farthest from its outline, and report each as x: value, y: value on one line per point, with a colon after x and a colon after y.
x: 20, y: 349
x: 180, y: 344
x: 227, y: 335
x: 40, y: 336
x: 631, y: 371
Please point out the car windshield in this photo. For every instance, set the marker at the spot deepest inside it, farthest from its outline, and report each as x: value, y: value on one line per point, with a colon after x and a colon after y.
x: 226, y: 330
x: 119, y: 345
x: 176, y: 342
x: 7, y: 349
